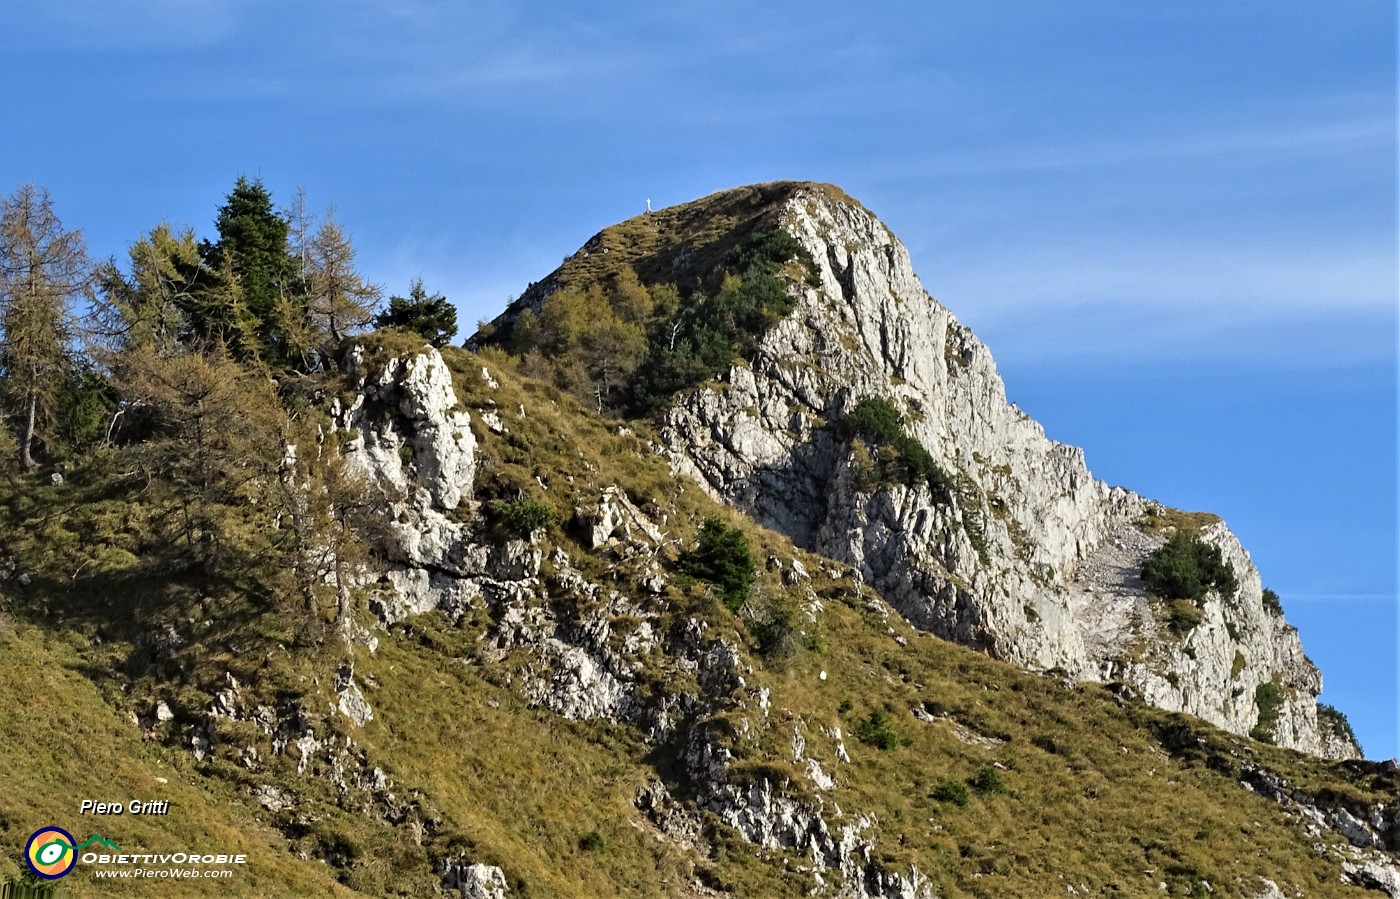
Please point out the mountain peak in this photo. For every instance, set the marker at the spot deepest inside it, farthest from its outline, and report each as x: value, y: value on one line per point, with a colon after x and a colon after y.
x: 676, y: 244
x: 758, y: 323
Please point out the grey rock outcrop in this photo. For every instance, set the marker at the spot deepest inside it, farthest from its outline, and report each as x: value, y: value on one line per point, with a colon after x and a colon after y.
x: 1026, y: 555
x: 407, y: 435
x: 468, y: 880
x: 350, y: 700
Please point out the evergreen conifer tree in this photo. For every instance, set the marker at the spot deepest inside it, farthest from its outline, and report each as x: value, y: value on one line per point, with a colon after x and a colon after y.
x: 431, y: 316
x: 253, y: 248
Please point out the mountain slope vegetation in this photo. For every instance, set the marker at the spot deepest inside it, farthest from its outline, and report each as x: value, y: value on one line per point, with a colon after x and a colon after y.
x: 396, y: 619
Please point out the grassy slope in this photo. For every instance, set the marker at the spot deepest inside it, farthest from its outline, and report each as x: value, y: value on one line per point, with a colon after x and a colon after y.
x: 61, y: 742
x: 1095, y: 798
x: 678, y: 244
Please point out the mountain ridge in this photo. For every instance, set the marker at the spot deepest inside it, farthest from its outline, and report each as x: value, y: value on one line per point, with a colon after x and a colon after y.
x: 870, y: 329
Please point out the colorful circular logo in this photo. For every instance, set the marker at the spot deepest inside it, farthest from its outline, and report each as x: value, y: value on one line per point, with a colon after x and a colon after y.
x: 50, y: 852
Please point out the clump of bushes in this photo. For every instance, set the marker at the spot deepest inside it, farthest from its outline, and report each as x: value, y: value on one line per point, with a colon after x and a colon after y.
x: 899, y: 458
x: 1267, y: 698
x: 698, y: 341
x: 722, y: 557
x: 626, y: 347
x: 1271, y: 602
x: 954, y: 791
x: 986, y: 781
x: 522, y: 517
x: 877, y: 730
x: 1334, y: 720
x: 1186, y: 567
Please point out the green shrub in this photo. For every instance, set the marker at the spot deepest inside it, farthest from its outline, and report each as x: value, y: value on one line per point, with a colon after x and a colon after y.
x: 721, y: 557
x: 522, y: 517
x: 954, y: 791
x: 876, y: 730
x: 1335, y: 720
x: 768, y: 251
x: 1271, y: 602
x: 1185, y: 567
x: 987, y: 780
x: 430, y: 316
x: 901, y: 459
x: 1268, y: 698
x: 876, y: 419
x: 592, y: 842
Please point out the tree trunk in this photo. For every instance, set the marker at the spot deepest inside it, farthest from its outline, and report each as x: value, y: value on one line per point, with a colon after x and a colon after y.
x: 26, y: 461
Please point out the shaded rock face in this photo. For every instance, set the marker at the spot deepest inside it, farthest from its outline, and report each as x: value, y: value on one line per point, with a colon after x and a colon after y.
x: 1026, y: 556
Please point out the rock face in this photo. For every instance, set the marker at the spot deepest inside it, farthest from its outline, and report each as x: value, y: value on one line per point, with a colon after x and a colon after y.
x: 1029, y: 557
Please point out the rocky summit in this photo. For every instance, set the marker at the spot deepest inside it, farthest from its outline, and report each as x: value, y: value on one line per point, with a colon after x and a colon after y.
x: 1028, y: 557
x: 717, y: 565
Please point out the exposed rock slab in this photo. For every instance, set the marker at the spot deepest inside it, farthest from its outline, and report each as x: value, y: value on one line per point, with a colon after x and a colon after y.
x: 1031, y: 558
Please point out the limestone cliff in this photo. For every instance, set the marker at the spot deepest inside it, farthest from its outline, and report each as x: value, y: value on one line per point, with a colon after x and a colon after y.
x: 1033, y: 560
x: 1026, y: 555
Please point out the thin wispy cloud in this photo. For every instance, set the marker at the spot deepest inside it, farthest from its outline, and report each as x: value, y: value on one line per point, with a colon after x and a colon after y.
x: 1367, y: 132
x: 1186, y: 279
x: 1270, y: 305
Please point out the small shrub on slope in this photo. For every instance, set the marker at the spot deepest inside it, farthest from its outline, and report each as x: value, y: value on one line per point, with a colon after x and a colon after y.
x: 1186, y: 567
x: 954, y: 791
x: 522, y: 517
x: 876, y: 730
x: 722, y: 557
x: 987, y: 781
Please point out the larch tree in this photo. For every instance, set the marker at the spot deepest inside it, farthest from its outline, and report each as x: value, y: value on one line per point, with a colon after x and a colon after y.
x: 339, y: 301
x: 44, y: 270
x: 154, y: 305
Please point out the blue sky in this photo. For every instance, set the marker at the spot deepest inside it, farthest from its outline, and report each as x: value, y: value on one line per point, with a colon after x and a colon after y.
x: 1174, y: 224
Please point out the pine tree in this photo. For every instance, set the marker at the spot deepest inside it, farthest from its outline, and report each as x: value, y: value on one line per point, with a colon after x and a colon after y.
x: 253, y: 248
x: 431, y: 316
x: 44, y: 269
